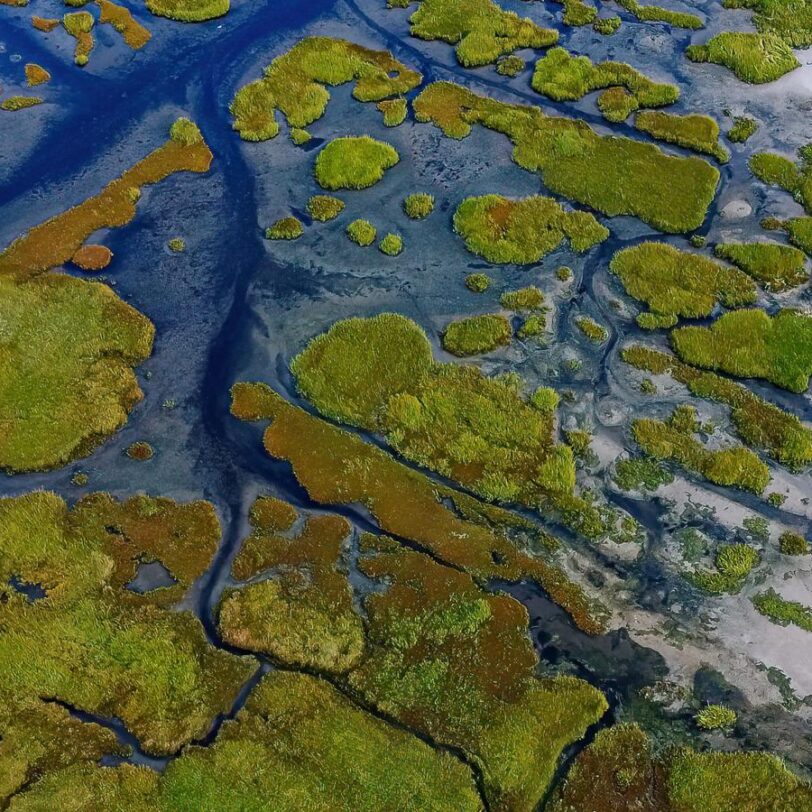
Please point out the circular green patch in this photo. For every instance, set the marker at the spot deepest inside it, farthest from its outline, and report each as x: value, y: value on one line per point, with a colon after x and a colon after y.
x: 354, y: 163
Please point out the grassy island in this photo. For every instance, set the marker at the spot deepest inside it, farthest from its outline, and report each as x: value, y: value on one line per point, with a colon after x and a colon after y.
x: 295, y: 83
x: 189, y: 11
x: 742, y: 130
x: 774, y: 266
x: 362, y: 232
x: 324, y: 207
x: 611, y: 175
x: 14, y: 103
x: 354, y: 163
x: 394, y: 111
x: 658, y: 14
x: 754, y: 58
x: 36, y: 75
x: 505, y: 230
x: 287, y: 228
x: 132, y: 32
x: 694, y: 131
x: 418, y: 206
x: 79, y: 25
x: 476, y: 335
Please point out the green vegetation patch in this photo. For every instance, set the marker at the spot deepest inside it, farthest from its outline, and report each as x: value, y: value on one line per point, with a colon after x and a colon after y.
x: 774, y: 266
x: 476, y: 335
x: 752, y: 344
x: 754, y: 58
x: 734, y: 562
x: 522, y: 231
x: 79, y: 24
x: 523, y: 299
x: 288, y: 228
x: 612, y: 175
x: 477, y: 282
x: 135, y: 35
x: 578, y: 13
x: 394, y: 111
x: 189, y: 11
x: 606, y: 26
x: 742, y: 130
x: 677, y: 283
x: 177, y: 245
x: 673, y: 440
x: 91, y: 643
x: 435, y: 633
x: 795, y: 178
x: 480, y: 29
x: 658, y: 14
x: 302, y: 614
x: 391, y: 245
x: 791, y: 543
x: 783, y: 612
x: 694, y: 131
x: 362, y: 232
x: 758, y: 422
x: 36, y: 75
x: 14, y: 103
x: 564, y: 77
x: 789, y: 19
x: 324, y: 207
x: 419, y: 205
x: 510, y: 65
x: 354, y: 163
x: 591, y: 329
x: 295, y: 83
x: 641, y: 473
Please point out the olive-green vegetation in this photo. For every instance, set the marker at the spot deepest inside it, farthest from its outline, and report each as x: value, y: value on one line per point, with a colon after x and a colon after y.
x: 299, y: 741
x: 522, y: 231
x: 140, y: 451
x: 394, y: 111
x: 620, y: 771
x: 354, y: 163
x: 79, y: 24
x: 658, y: 14
x: 419, y: 205
x: 639, y: 473
x: 510, y: 65
x: 288, y: 228
x: 36, y: 75
x: 299, y: 136
x: 135, y: 35
x: 564, y: 77
x: 338, y: 467
x: 435, y: 633
x: 774, y: 266
x: 531, y: 327
x: 791, y: 543
x: 591, y: 329
x: 753, y: 58
x: 379, y: 374
x: 302, y: 613
x: 758, y: 422
x: 677, y: 283
x: 742, y: 130
x: 752, y: 344
x: 324, y: 207
x: 799, y: 231
x: 189, y: 11
x: 89, y: 642
x: 477, y: 282
x: 523, y: 299
x: 14, y: 103
x: 477, y: 334
x: 789, y: 19
x: 795, y: 178
x: 694, y: 131
x: 607, y: 26
x: 177, y: 245
x: 611, y: 175
x: 480, y: 29
x: 577, y: 12
x: 391, y: 244
x: 45, y: 24
x: 783, y: 612
x: 673, y: 440
x: 733, y: 563
x: 563, y: 274
x: 295, y: 84
x: 362, y: 232
x: 66, y: 379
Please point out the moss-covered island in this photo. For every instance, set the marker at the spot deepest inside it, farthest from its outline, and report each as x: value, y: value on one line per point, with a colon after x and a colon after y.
x: 477, y: 334
x: 189, y: 11
x: 354, y: 163
x: 754, y: 58
x: 612, y: 175
x: 694, y: 131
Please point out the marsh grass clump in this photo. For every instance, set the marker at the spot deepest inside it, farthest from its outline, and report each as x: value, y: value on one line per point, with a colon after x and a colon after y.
x: 354, y: 163
x: 676, y: 283
x: 669, y: 193
x: 391, y: 245
x: 14, y: 103
x: 658, y: 14
x: 177, y: 245
x: 79, y: 24
x: 140, y: 451
x: 188, y: 11
x: 791, y: 543
x: 36, y: 75
x: 733, y: 563
x: 753, y: 58
x: 774, y: 266
x: 563, y: 274
x: 476, y: 335
x: 299, y: 136
x: 523, y: 299
x: 510, y: 66
x: 591, y: 329
x: 133, y: 33
x: 606, y: 26
x: 742, y: 130
x: 639, y: 473
x: 788, y: 19
x: 478, y: 282
x: 324, y: 207
x: 716, y: 717
x: 783, y: 612
x: 92, y: 257
x: 673, y: 440
x: 480, y: 29
x: 185, y: 132
x: 694, y: 131
x: 564, y: 77
x: 419, y: 205
x: 752, y: 344
x: 522, y: 231
x: 296, y: 82
x: 578, y: 13
x: 394, y: 111
x: 362, y: 232
x: 44, y: 24
x: 287, y: 228
x: 795, y: 178
x: 532, y: 327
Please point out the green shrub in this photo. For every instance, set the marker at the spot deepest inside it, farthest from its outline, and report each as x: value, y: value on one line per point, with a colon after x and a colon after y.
x: 774, y: 266
x: 324, y: 207
x: 791, y: 543
x: 362, y: 232
x: 419, y: 205
x: 354, y: 163
x: 476, y: 335
x: 716, y: 717
x: 288, y: 228
x: 391, y: 244
x: 477, y: 282
x: 529, y: 298
x: 754, y: 58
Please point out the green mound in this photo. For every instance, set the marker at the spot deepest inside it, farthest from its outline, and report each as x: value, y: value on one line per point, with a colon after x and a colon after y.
x: 288, y: 228
x: 354, y: 163
x: 742, y: 130
x: 419, y: 205
x: 795, y: 178
x: 505, y: 230
x: 774, y: 266
x: 754, y: 58
x: 189, y: 11
x: 362, y: 232
x: 324, y: 207
x: 694, y: 131
x: 476, y: 335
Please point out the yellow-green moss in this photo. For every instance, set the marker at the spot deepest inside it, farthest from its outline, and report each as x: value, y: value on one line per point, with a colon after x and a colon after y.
x: 591, y: 329
x: 14, y: 103
x: 476, y: 335
x: 391, y: 244
x: 791, y: 543
x: 189, y: 11
x: 694, y: 131
x: 133, y: 33
x: 676, y: 19
x: 362, y: 232
x: 774, y: 266
x: 324, y: 207
x: 394, y: 111
x: 753, y: 58
x: 419, y: 205
x: 523, y: 299
x: 288, y: 228
x: 510, y: 65
x: 477, y: 282
x: 783, y: 612
x: 742, y: 130
x: 354, y: 163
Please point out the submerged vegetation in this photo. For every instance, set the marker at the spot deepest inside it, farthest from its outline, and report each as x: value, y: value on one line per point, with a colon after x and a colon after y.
x: 295, y: 83
x: 694, y: 131
x: 476, y: 335
x: 754, y: 58
x: 505, y: 230
x: 354, y: 163
x: 612, y: 175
